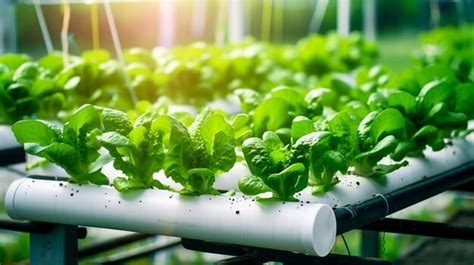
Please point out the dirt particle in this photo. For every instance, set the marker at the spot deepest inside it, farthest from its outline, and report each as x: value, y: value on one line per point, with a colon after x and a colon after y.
x: 72, y: 194
x: 119, y: 202
x: 237, y: 212
x: 358, y: 183
x: 140, y: 201
x: 60, y: 184
x: 307, y: 202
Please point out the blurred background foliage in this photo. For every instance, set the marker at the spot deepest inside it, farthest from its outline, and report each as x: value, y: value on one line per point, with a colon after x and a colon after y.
x: 138, y: 22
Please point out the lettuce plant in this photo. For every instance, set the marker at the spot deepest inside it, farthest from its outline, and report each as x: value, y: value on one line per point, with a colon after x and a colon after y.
x: 137, y: 150
x: 272, y: 169
x: 75, y: 147
x: 195, y: 155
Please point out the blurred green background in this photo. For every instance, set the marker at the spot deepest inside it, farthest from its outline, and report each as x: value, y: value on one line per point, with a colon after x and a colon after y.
x: 138, y: 22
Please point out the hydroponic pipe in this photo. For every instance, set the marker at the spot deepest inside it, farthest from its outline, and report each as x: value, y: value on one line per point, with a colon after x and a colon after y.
x: 357, y: 215
x: 354, y: 189
x: 303, y: 228
x: 12, y: 155
x: 7, y: 139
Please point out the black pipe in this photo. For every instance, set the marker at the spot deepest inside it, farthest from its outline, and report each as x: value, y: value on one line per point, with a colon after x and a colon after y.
x: 141, y: 252
x: 26, y: 227
x: 111, y: 244
x: 254, y: 255
x: 216, y: 248
x: 468, y: 186
x: 47, y: 177
x: 358, y: 215
x: 13, y: 155
x: 35, y: 227
x: 420, y: 228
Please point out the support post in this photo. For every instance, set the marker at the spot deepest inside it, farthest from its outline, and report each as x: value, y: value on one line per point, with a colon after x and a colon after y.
x: 7, y: 27
x: 370, y: 244
x: 58, y: 247
x: 343, y: 17
x: 370, y: 19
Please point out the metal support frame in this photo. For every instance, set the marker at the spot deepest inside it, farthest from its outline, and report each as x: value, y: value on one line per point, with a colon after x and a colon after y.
x: 8, y: 40
x: 251, y: 255
x: 141, y: 252
x: 35, y: 227
x: 370, y: 243
x: 59, y: 246
x: 420, y: 228
x: 111, y: 244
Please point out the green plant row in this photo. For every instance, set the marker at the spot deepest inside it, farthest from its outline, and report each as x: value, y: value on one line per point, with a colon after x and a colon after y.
x: 194, y: 74
x: 290, y: 137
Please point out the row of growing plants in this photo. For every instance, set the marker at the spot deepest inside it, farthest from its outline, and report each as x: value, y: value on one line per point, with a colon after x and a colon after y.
x: 194, y: 74
x: 290, y: 137
x: 190, y: 151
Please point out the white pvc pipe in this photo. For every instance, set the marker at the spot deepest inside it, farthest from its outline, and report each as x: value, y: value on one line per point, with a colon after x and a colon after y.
x: 2, y: 34
x: 318, y: 16
x: 343, y: 17
x: 353, y: 189
x: 220, y: 27
x: 7, y: 139
x: 369, y: 19
x: 235, y: 11
x: 303, y: 228
x: 43, y: 26
x: 167, y: 23
x: 198, y: 26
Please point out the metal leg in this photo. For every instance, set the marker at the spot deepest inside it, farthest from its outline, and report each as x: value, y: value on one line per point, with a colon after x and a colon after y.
x: 57, y: 247
x: 7, y: 26
x: 370, y: 244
